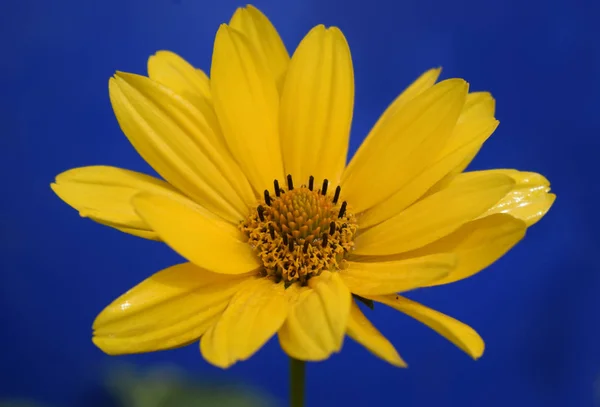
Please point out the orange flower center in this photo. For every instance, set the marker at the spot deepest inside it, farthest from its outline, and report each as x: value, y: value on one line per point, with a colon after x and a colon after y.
x: 299, y: 232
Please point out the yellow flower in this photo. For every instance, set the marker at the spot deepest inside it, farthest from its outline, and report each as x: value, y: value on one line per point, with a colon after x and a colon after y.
x: 281, y: 236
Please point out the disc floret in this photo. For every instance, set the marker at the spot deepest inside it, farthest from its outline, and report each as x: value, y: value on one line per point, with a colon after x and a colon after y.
x: 299, y: 232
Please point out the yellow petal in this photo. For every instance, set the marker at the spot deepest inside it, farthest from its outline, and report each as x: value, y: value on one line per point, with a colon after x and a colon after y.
x: 172, y: 308
x: 174, y: 137
x: 143, y: 233
x: 363, y: 332
x: 104, y: 194
x: 396, y: 276
x: 207, y: 243
x: 476, y: 245
x: 264, y: 38
x: 475, y: 125
x: 318, y: 318
x: 436, y: 216
x: 177, y: 74
x: 253, y: 316
x: 479, y: 106
x: 455, y: 331
x: 316, y: 107
x: 401, y: 146
x: 529, y: 200
x: 423, y: 82
x: 247, y: 105
x: 466, y: 137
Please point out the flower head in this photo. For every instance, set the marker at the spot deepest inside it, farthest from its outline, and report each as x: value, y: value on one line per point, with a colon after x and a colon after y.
x: 281, y: 237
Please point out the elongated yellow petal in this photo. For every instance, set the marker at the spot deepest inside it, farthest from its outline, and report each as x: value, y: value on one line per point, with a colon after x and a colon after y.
x: 529, y: 200
x: 177, y: 74
x: 174, y: 137
x: 318, y: 318
x: 264, y: 37
x: 396, y: 276
x: 316, y: 107
x: 205, y: 242
x: 466, y: 137
x: 420, y: 85
x: 455, y: 331
x: 253, y: 316
x: 404, y: 144
x: 476, y: 245
x: 475, y: 125
x: 247, y: 105
x: 440, y: 214
x: 146, y: 234
x: 172, y: 308
x: 104, y: 194
x: 362, y: 331
x: 478, y: 105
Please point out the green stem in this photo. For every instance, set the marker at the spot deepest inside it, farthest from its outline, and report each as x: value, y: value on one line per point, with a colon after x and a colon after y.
x: 297, y: 369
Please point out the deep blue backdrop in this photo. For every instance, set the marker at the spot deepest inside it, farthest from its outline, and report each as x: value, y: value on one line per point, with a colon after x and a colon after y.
x: 537, y: 308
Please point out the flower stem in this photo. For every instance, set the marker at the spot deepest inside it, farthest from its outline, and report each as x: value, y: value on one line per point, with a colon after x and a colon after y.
x: 297, y: 369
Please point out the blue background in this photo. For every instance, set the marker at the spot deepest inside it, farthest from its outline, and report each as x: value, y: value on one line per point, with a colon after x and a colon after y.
x: 537, y: 308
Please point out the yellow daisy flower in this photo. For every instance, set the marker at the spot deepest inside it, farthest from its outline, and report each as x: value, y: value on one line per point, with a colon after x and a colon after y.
x: 282, y: 237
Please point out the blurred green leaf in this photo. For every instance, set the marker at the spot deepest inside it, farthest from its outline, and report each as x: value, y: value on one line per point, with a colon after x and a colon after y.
x: 18, y: 403
x: 169, y: 387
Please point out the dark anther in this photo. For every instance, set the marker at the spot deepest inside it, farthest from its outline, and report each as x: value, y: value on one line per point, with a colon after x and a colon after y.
x: 267, y: 197
x: 324, y: 189
x: 324, y: 242
x: 277, y: 191
x: 311, y: 182
x: 272, y: 231
x: 338, y: 189
x: 261, y: 211
x: 285, y: 239
x: 342, y: 209
x: 290, y: 183
x: 291, y: 245
x: 332, y: 228
x: 305, y: 247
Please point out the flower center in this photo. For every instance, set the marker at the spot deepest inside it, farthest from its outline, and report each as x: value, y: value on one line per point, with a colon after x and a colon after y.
x: 299, y: 232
